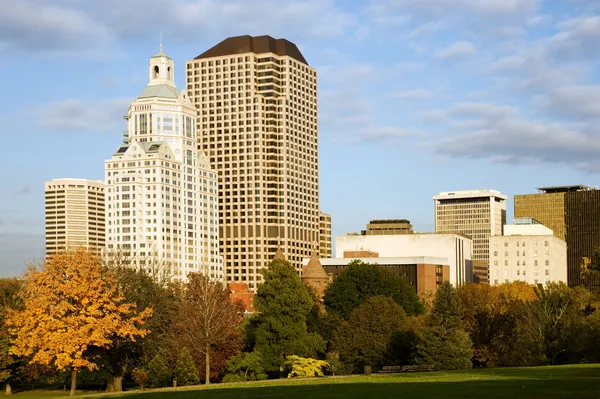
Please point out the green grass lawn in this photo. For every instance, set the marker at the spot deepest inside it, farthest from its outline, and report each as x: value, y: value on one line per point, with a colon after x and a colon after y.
x: 569, y: 382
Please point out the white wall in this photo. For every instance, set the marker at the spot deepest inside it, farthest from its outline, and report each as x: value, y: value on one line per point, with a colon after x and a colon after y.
x: 454, y: 247
x: 527, y: 230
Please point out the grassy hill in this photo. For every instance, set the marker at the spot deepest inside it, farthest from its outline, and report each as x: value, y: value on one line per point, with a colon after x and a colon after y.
x: 575, y: 381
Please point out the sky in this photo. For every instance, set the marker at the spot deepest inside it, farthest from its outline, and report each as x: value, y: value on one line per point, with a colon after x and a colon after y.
x: 415, y: 96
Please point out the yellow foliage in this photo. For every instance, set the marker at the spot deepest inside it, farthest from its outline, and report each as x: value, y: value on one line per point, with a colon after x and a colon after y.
x: 305, y: 367
x: 70, y: 305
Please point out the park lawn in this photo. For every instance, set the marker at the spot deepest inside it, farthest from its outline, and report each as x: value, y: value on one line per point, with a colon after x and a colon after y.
x: 572, y: 382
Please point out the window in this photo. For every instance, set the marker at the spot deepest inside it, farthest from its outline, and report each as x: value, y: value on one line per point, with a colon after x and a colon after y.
x: 545, y: 243
x: 547, y: 263
x: 535, y: 262
x: 506, y: 244
x: 547, y: 272
x: 495, y: 253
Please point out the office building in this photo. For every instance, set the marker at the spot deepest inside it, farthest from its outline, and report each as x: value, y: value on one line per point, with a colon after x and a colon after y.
x: 528, y: 251
x: 161, y: 192
x: 454, y: 248
x: 325, y: 239
x: 74, y: 214
x: 573, y: 213
x: 387, y: 227
x: 476, y: 213
x: 256, y: 101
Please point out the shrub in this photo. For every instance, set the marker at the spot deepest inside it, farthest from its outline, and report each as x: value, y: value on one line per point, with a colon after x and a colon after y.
x: 185, y: 369
x: 305, y: 367
x: 159, y: 373
x: 245, y: 367
x: 140, y: 377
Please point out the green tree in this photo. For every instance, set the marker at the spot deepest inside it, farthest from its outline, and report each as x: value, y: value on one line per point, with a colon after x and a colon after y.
x: 140, y: 377
x: 365, y: 338
x: 361, y: 281
x: 185, y: 369
x: 446, y: 345
x: 159, y: 373
x: 283, y: 303
x: 246, y: 366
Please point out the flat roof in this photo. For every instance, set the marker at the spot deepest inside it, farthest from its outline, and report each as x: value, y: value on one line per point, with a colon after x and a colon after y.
x: 562, y: 189
x: 448, y: 195
x: 405, y: 260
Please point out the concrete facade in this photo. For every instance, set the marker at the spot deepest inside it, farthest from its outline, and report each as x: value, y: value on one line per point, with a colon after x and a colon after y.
x: 422, y: 272
x: 256, y: 101
x: 161, y: 192
x: 75, y: 214
x: 529, y: 253
x: 325, y: 240
x: 455, y: 248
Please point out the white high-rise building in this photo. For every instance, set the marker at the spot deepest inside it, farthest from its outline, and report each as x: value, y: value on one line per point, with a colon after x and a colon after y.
x: 256, y: 99
x: 161, y: 192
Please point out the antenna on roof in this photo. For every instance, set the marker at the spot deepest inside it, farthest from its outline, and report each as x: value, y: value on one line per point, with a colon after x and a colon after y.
x: 161, y: 48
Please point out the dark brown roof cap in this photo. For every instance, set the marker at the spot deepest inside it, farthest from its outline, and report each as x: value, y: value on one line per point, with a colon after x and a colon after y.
x: 314, y: 269
x: 256, y: 44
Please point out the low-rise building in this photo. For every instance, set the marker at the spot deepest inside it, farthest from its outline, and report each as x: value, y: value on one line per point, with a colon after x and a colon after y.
x: 455, y: 248
x: 528, y: 251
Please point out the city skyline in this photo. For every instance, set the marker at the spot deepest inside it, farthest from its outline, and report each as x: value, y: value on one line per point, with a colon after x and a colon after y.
x: 401, y: 95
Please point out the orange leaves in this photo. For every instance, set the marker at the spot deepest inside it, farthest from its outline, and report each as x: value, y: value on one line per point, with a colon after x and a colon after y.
x: 70, y: 305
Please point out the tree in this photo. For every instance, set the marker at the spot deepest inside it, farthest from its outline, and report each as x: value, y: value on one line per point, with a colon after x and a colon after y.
x: 246, y: 366
x: 365, y: 338
x: 69, y: 305
x: 207, y: 317
x: 159, y: 373
x: 283, y: 303
x: 185, y: 369
x: 305, y: 367
x: 9, y: 299
x: 143, y: 290
x: 446, y: 345
x: 361, y: 281
x: 140, y: 377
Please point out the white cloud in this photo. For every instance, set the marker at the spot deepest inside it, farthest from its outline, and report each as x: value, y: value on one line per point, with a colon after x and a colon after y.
x: 456, y: 50
x: 578, y: 102
x: 417, y: 94
x: 77, y: 115
x: 20, y: 191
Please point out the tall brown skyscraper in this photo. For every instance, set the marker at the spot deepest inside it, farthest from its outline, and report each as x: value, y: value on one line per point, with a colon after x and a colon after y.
x: 257, y: 121
x: 573, y: 213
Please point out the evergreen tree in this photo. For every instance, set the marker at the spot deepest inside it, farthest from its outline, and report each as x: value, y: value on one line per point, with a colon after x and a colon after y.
x: 185, y: 369
x: 361, y: 281
x: 159, y: 373
x: 446, y: 345
x: 283, y: 303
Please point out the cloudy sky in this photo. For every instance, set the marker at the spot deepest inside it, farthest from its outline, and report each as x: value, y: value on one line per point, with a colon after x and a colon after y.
x: 415, y: 96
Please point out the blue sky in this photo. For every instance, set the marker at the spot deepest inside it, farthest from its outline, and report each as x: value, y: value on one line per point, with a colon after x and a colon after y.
x: 415, y: 96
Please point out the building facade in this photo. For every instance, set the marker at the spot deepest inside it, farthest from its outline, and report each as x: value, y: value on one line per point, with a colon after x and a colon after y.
x: 256, y: 101
x: 573, y: 213
x: 424, y: 273
x: 476, y: 213
x: 325, y: 239
x: 161, y: 192
x: 455, y: 248
x: 527, y: 252
x: 75, y: 214
x: 387, y: 227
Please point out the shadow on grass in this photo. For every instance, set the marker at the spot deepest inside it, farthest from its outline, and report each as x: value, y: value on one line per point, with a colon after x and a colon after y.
x: 545, y: 382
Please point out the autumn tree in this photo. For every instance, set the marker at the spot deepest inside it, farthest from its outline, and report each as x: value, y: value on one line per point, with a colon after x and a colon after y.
x: 70, y: 304
x: 365, y: 338
x: 361, y: 281
x: 446, y: 345
x: 283, y: 303
x: 9, y: 299
x: 207, y: 317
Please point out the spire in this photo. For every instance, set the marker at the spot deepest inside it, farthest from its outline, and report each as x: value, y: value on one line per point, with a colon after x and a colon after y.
x: 278, y: 254
x: 314, y: 269
x: 161, y: 48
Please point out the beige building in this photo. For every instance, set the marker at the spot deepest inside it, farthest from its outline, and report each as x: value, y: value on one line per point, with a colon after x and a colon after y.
x: 476, y: 213
x: 454, y: 248
x: 161, y: 192
x: 75, y: 214
x: 325, y: 240
x: 256, y: 99
x: 387, y: 227
x: 528, y: 251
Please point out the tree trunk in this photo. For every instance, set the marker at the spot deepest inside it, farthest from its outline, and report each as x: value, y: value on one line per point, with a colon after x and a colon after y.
x: 207, y: 364
x: 118, y: 383
x: 73, y: 382
x: 8, y: 389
